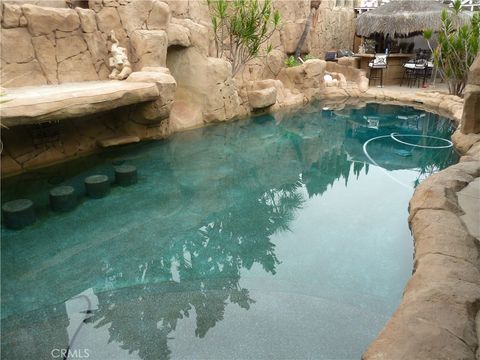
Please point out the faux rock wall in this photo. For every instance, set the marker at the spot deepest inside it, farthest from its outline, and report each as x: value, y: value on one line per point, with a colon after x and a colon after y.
x: 471, y: 111
x: 51, y: 45
x: 206, y: 91
x: 47, y: 45
x: 41, y: 45
x: 332, y: 28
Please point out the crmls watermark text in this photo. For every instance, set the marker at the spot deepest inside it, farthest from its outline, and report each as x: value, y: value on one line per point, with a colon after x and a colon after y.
x: 70, y: 354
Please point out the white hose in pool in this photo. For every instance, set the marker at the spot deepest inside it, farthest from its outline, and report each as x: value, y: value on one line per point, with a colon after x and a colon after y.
x: 449, y: 143
x: 393, y: 136
x: 375, y: 163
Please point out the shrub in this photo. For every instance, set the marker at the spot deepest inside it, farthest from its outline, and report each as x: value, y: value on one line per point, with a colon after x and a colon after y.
x: 241, y: 27
x: 457, y: 47
x: 308, y: 57
x: 291, y: 61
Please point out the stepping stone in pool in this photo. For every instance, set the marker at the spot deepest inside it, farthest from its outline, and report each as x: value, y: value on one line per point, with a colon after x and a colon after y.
x: 63, y: 198
x: 97, y: 186
x: 18, y: 213
x: 126, y: 175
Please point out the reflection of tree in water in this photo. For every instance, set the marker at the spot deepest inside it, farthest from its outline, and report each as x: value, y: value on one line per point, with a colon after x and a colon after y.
x: 328, y: 169
x: 204, y: 270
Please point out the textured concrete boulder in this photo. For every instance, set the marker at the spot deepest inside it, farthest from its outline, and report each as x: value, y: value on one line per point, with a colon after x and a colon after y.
x: 135, y: 14
x: 274, y: 64
x: 16, y: 46
x: 14, y: 75
x: 437, y: 316
x: 11, y: 16
x: 308, y: 77
x: 44, y: 21
x: 87, y: 20
x: 178, y: 35
x: 155, y: 111
x: 150, y: 48
x: 108, y: 19
x: 69, y: 46
x: 159, y: 16
x: 292, y: 13
x: 262, y: 98
x: 353, y: 62
x: 471, y: 110
x: 77, y: 68
x: 205, y: 87
x: 198, y: 34
x: 56, y: 45
x: 351, y: 74
x: 262, y: 94
x: 290, y: 33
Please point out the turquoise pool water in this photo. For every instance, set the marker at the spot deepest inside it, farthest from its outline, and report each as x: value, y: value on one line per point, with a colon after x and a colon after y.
x: 268, y: 238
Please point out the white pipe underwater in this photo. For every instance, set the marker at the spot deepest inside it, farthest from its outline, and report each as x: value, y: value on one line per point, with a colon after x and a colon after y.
x: 394, y: 137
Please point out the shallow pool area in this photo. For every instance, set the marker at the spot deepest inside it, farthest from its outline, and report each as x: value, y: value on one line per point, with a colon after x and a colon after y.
x: 279, y: 237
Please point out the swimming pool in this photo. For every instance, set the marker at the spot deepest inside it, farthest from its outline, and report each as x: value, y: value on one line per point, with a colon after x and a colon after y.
x: 279, y: 237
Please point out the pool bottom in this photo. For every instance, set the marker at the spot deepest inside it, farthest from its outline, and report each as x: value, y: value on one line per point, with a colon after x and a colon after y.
x: 247, y: 240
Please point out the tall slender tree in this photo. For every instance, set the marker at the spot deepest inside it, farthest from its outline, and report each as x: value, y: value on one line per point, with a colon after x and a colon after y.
x: 314, y: 5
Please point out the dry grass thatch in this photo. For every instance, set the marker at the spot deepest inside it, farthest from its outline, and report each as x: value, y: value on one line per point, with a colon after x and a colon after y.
x: 403, y: 17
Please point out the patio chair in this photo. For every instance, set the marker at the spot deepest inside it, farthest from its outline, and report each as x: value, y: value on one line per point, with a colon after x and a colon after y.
x: 415, y: 71
x: 377, y: 65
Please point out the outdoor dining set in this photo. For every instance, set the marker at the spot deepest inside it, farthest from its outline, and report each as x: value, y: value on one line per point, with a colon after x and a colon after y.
x: 416, y: 71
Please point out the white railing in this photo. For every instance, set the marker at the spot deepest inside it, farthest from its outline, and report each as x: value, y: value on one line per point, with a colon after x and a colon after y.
x: 470, y: 5
x: 366, y: 5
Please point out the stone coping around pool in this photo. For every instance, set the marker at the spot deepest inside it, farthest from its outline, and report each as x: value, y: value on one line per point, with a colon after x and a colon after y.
x: 434, y: 101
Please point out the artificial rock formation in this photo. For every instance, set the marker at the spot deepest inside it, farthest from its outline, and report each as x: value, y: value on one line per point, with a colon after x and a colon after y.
x: 36, y: 105
x: 262, y: 94
x: 471, y: 111
x: 154, y: 112
x: 306, y: 78
x: 50, y: 45
x: 350, y: 73
x: 61, y: 45
x: 206, y: 91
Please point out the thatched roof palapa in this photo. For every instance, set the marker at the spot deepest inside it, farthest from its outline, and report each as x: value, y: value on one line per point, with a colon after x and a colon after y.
x: 403, y: 17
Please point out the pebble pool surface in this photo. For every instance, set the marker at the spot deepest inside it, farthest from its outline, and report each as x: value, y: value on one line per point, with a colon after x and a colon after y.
x: 275, y: 237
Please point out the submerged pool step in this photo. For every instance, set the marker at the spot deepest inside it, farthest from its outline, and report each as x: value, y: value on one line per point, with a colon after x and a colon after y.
x: 97, y: 186
x: 18, y: 213
x: 125, y: 175
x: 63, y: 198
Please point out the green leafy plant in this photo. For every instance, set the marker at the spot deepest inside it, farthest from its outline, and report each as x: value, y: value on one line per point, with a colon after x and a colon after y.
x: 308, y: 57
x: 241, y: 27
x: 457, y: 47
x: 291, y: 61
